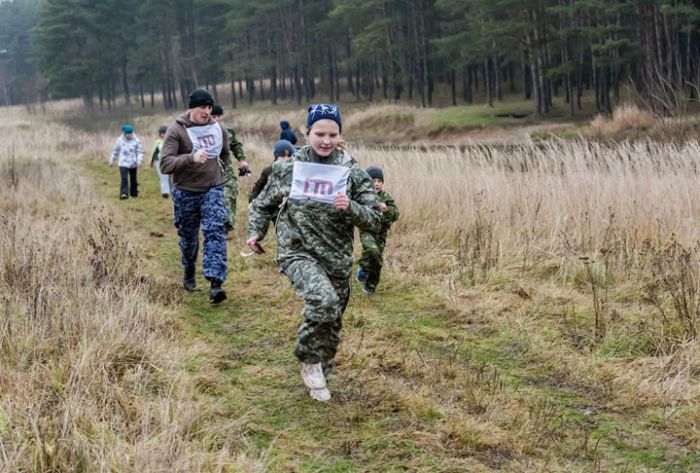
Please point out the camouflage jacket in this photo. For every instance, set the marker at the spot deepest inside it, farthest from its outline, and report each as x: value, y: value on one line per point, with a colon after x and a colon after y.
x: 234, y: 145
x: 237, y: 150
x: 310, y: 230
x: 388, y: 217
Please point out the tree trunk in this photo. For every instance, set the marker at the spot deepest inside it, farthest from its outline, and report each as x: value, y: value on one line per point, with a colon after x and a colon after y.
x: 297, y: 85
x: 498, y: 78
x: 487, y: 82
x: 125, y: 83
x: 143, y: 102
x: 250, y: 89
x: 351, y: 86
x: 337, y: 78
x: 331, y: 75
x: 467, y: 84
x: 273, y: 85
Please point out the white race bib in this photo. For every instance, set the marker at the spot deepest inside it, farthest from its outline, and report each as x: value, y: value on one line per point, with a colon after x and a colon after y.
x: 319, y: 182
x: 207, y: 137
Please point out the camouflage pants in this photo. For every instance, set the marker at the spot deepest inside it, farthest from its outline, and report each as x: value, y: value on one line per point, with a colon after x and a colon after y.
x: 230, y: 195
x: 207, y: 209
x: 325, y: 299
x: 372, y: 258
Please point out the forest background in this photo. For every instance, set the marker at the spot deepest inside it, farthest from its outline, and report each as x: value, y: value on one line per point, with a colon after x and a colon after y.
x: 304, y: 50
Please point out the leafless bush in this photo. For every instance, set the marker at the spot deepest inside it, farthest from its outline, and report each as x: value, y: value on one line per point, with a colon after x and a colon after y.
x: 673, y: 286
x: 626, y: 118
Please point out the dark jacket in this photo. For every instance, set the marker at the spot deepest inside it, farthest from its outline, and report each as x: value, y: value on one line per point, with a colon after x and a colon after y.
x: 287, y: 133
x: 260, y: 183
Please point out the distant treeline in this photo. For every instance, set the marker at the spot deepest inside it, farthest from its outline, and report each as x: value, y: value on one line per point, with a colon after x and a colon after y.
x: 373, y: 49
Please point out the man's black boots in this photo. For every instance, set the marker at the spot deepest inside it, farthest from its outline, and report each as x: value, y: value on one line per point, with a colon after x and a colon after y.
x: 189, y: 282
x: 216, y: 293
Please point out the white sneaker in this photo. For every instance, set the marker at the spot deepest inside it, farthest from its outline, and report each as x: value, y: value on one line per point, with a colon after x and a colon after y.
x: 312, y: 374
x: 322, y: 395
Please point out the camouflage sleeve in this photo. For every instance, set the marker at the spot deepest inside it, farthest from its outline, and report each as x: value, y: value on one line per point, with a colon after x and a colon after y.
x: 234, y: 145
x: 364, y: 210
x: 263, y: 207
x: 392, y: 214
x: 230, y: 172
x: 225, y: 155
x: 260, y: 183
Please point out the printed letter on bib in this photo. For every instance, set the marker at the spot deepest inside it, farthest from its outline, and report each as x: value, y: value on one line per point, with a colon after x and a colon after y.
x: 319, y: 182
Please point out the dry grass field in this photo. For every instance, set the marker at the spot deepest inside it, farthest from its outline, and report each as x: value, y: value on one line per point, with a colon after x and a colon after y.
x: 539, y: 312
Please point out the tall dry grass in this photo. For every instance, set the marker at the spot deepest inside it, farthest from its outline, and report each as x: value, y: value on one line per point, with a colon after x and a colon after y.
x: 526, y: 205
x: 95, y: 373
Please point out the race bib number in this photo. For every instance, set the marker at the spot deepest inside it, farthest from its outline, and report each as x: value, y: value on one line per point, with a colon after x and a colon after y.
x: 319, y: 182
x: 207, y: 137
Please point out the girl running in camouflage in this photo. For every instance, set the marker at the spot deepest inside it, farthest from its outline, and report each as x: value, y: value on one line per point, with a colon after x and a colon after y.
x: 323, y: 195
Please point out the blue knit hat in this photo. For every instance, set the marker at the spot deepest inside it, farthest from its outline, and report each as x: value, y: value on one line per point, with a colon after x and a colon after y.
x: 375, y: 173
x: 323, y: 111
x: 283, y: 148
x: 127, y: 128
x: 284, y: 124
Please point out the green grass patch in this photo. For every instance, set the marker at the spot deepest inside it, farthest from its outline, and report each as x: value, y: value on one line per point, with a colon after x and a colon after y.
x: 479, y: 116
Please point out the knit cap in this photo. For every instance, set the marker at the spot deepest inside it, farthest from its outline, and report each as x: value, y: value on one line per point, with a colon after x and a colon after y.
x: 127, y: 128
x: 283, y: 148
x: 217, y: 110
x: 199, y: 97
x: 323, y: 111
x: 375, y: 173
x: 284, y: 124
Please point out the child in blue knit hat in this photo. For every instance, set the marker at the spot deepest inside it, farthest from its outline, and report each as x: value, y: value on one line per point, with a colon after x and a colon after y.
x: 128, y: 152
x: 287, y: 132
x: 372, y: 258
x: 283, y: 149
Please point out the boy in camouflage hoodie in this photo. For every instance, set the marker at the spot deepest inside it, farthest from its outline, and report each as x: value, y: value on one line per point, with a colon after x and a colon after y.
x: 321, y: 194
x: 373, y: 243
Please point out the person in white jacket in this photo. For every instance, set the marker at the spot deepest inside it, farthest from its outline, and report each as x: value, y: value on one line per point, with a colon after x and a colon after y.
x: 129, y: 152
